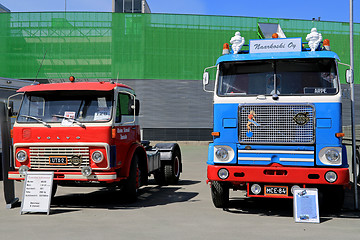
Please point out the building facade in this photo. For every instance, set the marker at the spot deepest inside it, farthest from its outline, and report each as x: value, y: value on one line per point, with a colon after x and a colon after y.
x: 162, y: 56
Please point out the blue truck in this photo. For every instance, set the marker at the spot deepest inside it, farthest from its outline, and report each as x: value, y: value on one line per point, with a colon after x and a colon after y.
x: 277, y: 121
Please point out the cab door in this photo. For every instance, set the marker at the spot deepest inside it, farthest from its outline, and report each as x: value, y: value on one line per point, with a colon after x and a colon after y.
x: 126, y: 127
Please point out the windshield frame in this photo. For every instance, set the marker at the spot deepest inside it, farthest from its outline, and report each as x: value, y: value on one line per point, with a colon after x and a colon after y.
x: 75, y: 96
x: 335, y: 82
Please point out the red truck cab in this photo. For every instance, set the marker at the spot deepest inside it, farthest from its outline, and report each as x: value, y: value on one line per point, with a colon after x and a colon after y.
x: 88, y: 131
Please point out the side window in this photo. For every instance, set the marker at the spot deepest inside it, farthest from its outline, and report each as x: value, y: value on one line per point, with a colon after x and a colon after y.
x: 123, y: 106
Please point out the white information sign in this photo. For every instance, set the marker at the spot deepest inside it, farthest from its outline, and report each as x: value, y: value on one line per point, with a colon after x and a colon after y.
x: 275, y: 45
x: 306, y: 205
x: 37, y: 192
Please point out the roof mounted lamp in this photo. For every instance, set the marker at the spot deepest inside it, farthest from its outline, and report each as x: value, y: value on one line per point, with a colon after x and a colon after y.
x: 226, y: 49
x: 237, y: 42
x: 314, y: 38
x: 326, y: 44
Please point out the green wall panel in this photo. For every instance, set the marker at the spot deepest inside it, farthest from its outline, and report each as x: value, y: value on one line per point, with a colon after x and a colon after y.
x: 136, y: 46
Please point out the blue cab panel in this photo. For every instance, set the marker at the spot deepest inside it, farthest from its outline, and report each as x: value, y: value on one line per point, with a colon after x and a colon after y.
x: 326, y: 124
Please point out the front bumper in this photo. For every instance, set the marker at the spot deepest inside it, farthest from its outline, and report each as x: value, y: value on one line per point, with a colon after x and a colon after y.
x: 278, y: 174
x: 74, y: 176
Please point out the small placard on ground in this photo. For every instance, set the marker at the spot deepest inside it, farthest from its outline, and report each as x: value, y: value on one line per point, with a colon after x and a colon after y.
x: 37, y: 192
x: 306, y: 205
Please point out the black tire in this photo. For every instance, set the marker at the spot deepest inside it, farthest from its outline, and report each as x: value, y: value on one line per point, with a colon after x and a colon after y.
x: 172, y: 169
x: 331, y: 198
x: 357, y: 164
x: 220, y: 194
x: 54, y: 188
x: 132, y: 184
x: 159, y: 176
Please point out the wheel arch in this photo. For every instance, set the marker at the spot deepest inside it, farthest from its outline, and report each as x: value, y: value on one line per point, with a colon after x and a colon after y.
x: 139, y: 150
x: 167, y: 152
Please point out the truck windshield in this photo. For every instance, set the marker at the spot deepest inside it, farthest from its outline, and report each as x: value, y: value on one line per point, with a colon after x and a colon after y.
x: 66, y: 107
x: 293, y: 77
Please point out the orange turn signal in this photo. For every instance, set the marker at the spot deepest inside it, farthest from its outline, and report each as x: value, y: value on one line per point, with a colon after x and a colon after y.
x: 215, y: 134
x: 339, y: 135
x: 113, y: 133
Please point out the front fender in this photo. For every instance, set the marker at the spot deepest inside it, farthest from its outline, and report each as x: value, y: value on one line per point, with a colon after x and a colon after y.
x: 134, y: 148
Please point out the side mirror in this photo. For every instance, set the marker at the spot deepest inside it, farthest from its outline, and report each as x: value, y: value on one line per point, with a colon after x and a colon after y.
x: 11, y: 109
x: 206, y: 78
x: 135, y: 107
x: 349, y: 76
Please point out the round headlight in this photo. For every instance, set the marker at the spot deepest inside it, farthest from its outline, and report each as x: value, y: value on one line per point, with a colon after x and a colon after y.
x: 331, y: 176
x: 255, y: 189
x: 23, y: 169
x: 21, y: 156
x: 97, y: 156
x: 293, y: 188
x: 86, y: 171
x: 223, y: 173
x: 222, y: 154
x: 332, y: 155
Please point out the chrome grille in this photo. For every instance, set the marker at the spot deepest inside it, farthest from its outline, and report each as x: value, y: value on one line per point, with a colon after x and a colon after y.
x: 276, y: 124
x: 39, y: 156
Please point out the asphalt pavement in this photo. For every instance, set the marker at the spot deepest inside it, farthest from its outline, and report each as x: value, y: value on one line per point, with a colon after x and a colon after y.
x: 183, y: 211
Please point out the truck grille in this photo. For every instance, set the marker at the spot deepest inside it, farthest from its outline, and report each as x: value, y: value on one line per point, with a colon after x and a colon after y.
x: 289, y: 124
x: 39, y: 157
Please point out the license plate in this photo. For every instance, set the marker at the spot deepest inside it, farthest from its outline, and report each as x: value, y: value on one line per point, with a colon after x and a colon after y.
x: 276, y: 191
x: 58, y: 160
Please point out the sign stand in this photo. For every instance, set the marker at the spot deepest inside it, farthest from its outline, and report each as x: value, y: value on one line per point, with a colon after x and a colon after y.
x: 306, y: 205
x: 37, y: 192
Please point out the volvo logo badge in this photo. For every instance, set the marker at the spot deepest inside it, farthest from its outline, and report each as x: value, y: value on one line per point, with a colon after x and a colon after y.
x: 301, y: 118
x: 76, y: 160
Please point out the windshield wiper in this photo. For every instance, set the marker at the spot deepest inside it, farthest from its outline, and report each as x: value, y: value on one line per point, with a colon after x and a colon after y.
x: 71, y: 119
x: 37, y: 119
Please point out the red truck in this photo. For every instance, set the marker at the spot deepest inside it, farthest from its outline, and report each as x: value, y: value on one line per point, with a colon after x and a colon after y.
x: 88, y: 132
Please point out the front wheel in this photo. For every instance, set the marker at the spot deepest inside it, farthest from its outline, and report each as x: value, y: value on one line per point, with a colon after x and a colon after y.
x: 220, y: 194
x: 331, y: 198
x: 132, y: 184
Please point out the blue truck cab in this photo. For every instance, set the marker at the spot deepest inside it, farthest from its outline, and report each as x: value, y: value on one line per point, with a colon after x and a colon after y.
x: 277, y: 122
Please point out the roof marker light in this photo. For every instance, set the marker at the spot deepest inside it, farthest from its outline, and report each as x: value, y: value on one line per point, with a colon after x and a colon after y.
x: 226, y: 49
x: 72, y: 79
x: 326, y: 44
x: 275, y: 35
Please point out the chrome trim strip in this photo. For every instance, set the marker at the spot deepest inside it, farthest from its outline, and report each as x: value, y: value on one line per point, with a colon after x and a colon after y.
x: 296, y: 159
x: 254, y: 159
x: 277, y: 152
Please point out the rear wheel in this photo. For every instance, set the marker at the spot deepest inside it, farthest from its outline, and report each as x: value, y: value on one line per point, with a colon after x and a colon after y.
x: 172, y: 169
x: 220, y: 194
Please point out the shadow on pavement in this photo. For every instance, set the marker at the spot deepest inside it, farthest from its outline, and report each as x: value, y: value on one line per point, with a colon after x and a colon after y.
x: 284, y: 208
x: 112, y: 198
